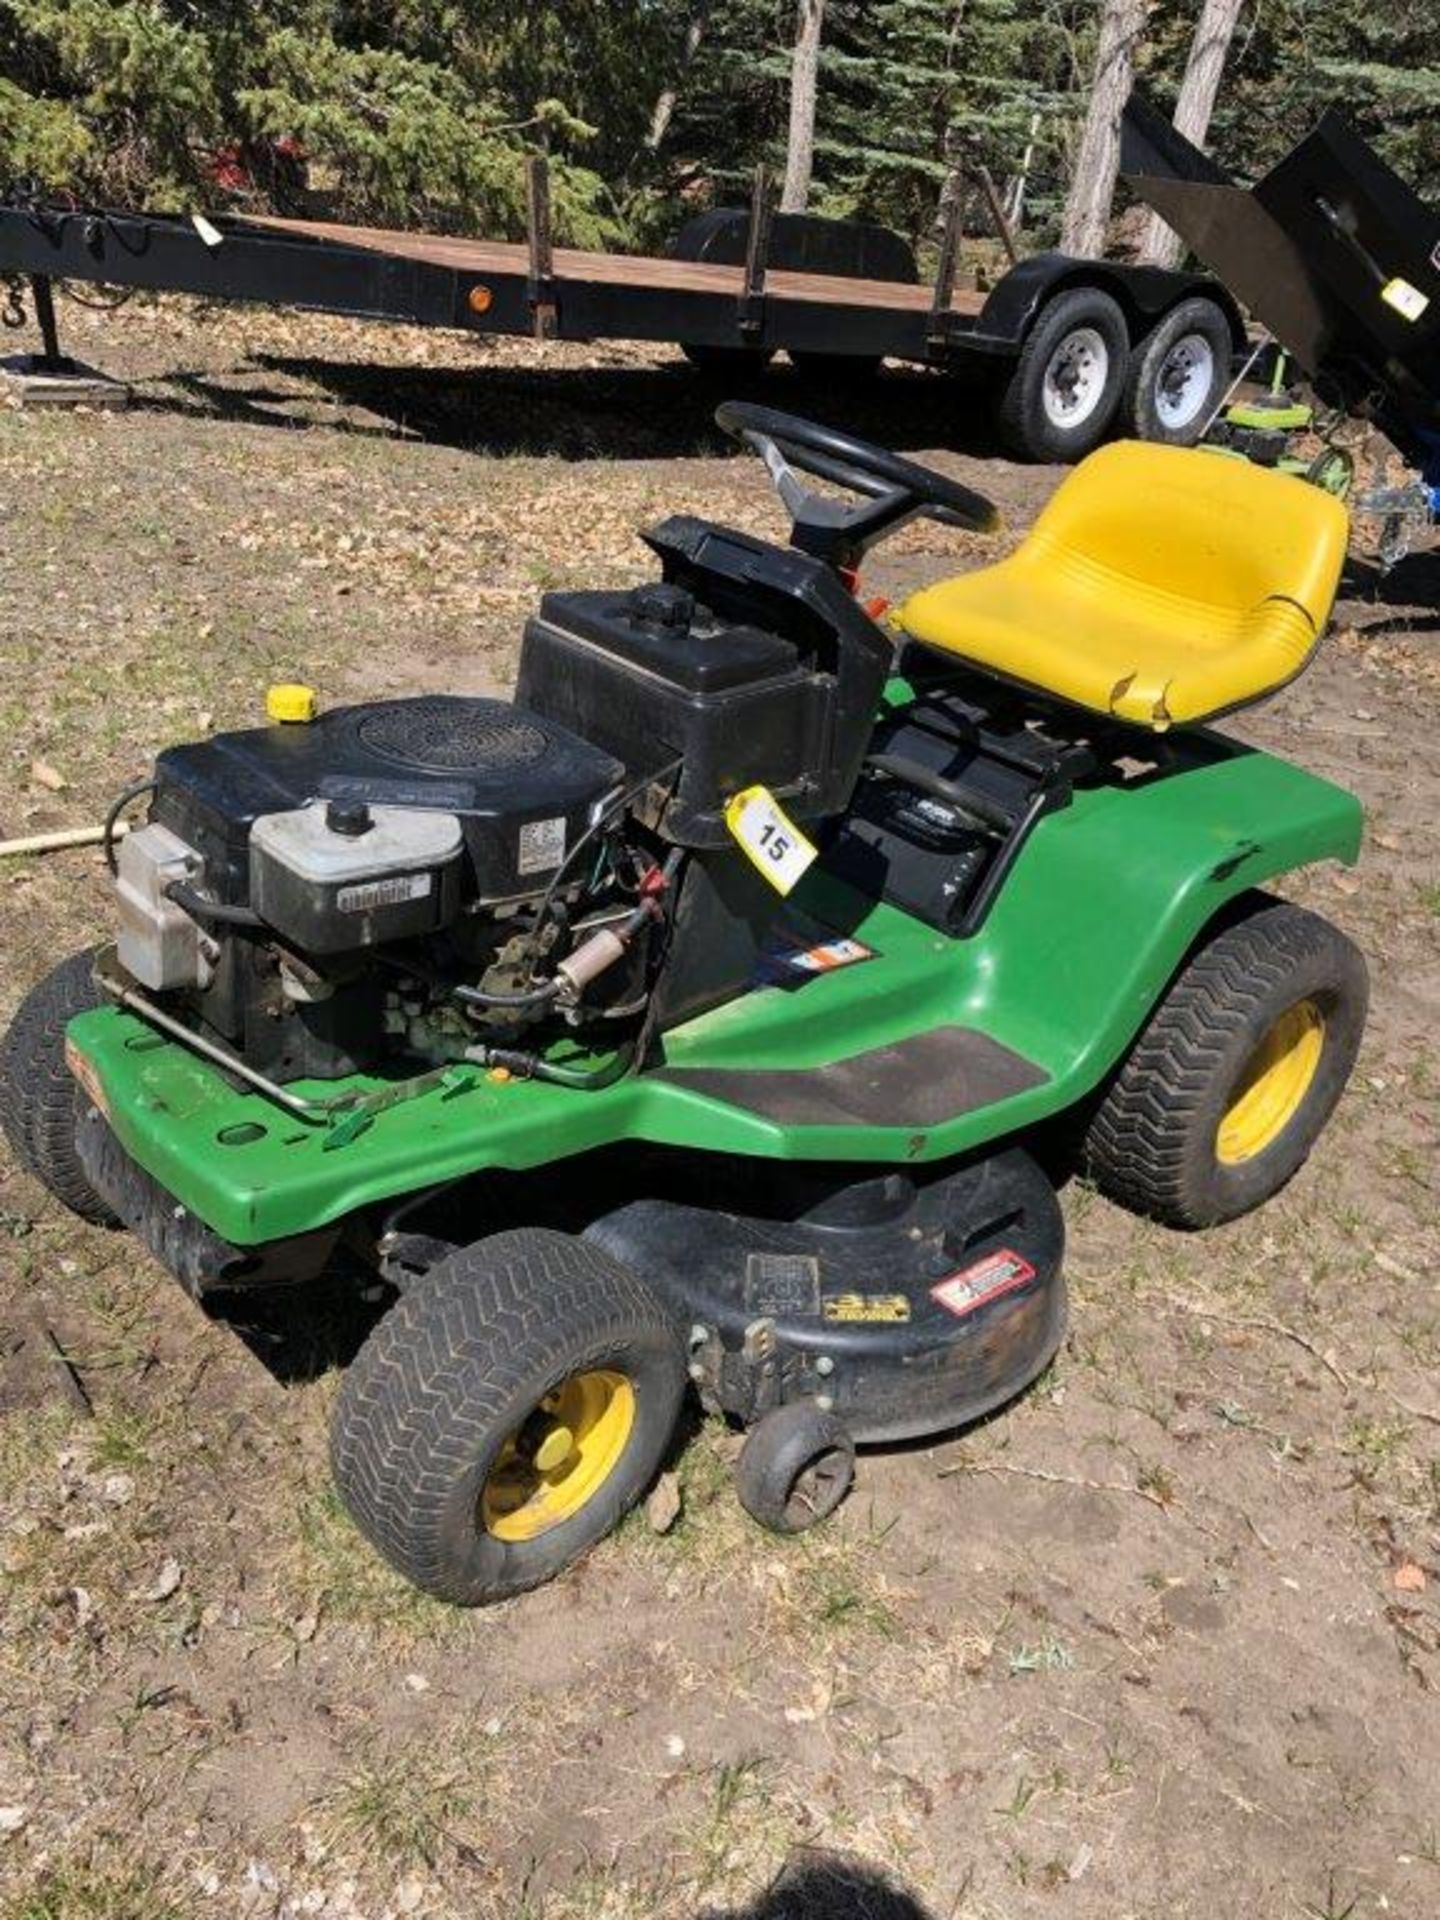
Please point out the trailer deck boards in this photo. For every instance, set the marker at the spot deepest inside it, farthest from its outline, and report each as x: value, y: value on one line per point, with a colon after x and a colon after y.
x: 509, y: 257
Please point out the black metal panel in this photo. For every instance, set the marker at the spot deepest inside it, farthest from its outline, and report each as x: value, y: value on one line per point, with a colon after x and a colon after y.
x: 1151, y: 145
x: 800, y: 242
x: 1144, y: 293
x: 200, y: 1260
x: 138, y: 250
x: 1309, y: 251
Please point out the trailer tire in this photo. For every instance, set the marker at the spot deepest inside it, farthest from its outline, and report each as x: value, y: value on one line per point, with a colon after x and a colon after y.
x: 1062, y: 396
x: 1177, y: 375
x: 40, y: 1100
x: 1232, y: 1080
x: 527, y: 1341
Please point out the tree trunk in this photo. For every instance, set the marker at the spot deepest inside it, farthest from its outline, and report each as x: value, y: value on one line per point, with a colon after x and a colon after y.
x: 664, y: 110
x: 1159, y: 246
x: 804, y: 88
x: 1093, y: 186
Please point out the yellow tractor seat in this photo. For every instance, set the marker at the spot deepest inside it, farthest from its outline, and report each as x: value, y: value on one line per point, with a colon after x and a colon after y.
x: 1160, y: 585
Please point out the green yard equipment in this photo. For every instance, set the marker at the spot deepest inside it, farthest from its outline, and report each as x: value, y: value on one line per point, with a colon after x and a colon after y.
x: 694, y: 1021
x: 1272, y: 427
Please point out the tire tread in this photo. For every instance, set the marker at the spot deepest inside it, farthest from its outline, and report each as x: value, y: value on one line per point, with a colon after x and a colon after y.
x: 423, y: 1397
x: 39, y: 1100
x: 1141, y: 1143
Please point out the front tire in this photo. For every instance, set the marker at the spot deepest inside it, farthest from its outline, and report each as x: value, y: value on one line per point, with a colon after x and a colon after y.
x: 1067, y: 382
x: 506, y: 1413
x: 1177, y: 375
x: 40, y: 1100
x: 1230, y: 1085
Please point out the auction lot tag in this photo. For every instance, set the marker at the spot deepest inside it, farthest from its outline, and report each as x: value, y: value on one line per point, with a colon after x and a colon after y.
x: 1409, y: 302
x: 769, y: 837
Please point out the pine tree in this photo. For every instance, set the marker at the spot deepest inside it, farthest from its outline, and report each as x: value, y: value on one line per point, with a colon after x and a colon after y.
x: 419, y: 113
x: 923, y: 86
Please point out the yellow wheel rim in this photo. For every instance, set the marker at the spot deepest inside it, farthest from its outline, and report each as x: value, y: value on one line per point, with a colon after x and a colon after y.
x: 1276, y: 1080
x: 559, y: 1456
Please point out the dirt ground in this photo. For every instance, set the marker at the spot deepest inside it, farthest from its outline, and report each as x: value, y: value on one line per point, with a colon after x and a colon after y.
x: 1163, y: 1639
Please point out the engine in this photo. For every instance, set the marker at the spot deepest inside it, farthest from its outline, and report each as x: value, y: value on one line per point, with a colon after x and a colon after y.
x: 397, y: 886
x: 410, y: 881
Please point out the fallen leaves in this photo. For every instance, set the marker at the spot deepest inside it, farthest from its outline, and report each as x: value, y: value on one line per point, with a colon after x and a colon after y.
x: 663, y: 1507
x: 44, y: 775
x: 167, y: 1582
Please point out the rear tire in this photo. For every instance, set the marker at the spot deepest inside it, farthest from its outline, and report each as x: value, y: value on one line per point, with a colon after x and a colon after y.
x: 506, y: 1413
x: 1067, y: 382
x: 1231, y: 1083
x: 40, y: 1099
x: 1177, y: 375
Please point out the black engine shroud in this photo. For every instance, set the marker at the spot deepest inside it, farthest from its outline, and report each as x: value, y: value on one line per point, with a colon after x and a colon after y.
x: 496, y: 767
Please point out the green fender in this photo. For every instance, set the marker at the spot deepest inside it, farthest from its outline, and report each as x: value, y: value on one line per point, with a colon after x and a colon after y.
x: 1105, y: 901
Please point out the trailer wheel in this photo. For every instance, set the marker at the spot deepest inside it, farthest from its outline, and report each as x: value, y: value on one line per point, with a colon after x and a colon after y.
x: 1231, y: 1083
x: 1177, y: 375
x: 1067, y: 382
x: 40, y: 1100
x: 505, y: 1413
x: 727, y: 363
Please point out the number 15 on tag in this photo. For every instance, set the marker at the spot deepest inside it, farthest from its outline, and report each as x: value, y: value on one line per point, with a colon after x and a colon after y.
x: 769, y: 837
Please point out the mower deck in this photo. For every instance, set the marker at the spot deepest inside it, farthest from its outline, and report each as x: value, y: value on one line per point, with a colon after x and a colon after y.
x: 929, y: 1047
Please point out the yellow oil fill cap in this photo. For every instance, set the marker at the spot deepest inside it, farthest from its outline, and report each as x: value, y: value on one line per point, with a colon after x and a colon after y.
x: 290, y: 702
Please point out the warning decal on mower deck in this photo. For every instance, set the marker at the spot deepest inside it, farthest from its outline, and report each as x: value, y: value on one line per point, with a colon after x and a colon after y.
x: 998, y: 1273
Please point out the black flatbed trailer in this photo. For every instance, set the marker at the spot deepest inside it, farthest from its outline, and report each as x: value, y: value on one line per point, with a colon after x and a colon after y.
x: 1062, y: 337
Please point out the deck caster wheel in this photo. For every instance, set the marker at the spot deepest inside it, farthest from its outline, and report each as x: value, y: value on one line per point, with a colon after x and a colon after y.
x: 796, y: 1467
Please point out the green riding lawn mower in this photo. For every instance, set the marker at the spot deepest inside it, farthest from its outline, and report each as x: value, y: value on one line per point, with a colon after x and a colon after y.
x: 693, y: 1022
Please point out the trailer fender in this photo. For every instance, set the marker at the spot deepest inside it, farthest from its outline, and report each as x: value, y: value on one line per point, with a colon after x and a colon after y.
x: 1144, y: 294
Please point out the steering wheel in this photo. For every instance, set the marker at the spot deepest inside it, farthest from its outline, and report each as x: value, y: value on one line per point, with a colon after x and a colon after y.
x: 894, y: 489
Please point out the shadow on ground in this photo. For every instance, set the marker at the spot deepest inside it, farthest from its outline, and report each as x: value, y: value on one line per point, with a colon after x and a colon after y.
x: 1406, y: 596
x: 824, y: 1886
x: 299, y: 1333
x: 574, y: 413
